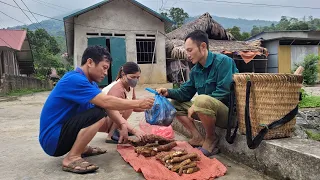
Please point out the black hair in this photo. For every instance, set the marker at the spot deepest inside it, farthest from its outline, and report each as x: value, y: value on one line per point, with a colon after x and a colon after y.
x: 128, y: 68
x: 198, y: 37
x: 96, y: 53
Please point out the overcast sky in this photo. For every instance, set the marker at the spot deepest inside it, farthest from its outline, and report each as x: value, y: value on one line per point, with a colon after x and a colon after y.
x: 192, y: 7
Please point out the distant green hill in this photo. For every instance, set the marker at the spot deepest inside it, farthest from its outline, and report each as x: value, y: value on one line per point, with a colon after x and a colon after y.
x: 56, y: 28
x: 244, y: 24
x: 53, y: 27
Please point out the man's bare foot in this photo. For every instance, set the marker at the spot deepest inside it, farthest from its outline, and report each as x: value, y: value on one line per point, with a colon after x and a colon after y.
x: 92, y: 151
x: 196, y: 141
x: 77, y: 164
x: 210, y: 144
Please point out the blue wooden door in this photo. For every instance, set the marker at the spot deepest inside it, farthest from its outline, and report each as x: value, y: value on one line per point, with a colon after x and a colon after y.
x: 118, y: 53
x: 102, y: 42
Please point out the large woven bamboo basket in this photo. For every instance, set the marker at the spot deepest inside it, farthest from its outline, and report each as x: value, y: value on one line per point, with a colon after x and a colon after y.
x: 272, y: 96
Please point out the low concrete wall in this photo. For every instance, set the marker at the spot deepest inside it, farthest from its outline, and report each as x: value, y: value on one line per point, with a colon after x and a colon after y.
x: 289, y: 158
x: 12, y: 82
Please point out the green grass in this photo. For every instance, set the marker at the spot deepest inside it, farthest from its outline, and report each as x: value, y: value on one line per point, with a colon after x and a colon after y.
x: 310, y: 102
x: 22, y: 92
x: 313, y: 135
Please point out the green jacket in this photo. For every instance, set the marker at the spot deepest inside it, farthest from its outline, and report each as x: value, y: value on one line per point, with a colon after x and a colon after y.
x: 213, y: 79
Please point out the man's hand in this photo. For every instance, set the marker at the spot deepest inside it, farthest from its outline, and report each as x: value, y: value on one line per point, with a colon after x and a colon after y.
x: 146, y: 103
x: 190, y: 111
x: 123, y: 133
x: 163, y: 91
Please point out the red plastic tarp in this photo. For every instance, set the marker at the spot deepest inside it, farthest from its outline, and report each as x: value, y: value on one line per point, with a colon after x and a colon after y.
x: 152, y: 169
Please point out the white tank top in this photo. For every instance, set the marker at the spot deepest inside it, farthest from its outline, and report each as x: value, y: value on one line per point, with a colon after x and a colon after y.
x: 107, y: 88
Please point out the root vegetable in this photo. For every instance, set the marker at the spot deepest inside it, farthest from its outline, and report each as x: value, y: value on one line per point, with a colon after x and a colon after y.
x: 151, y: 138
x: 183, y: 163
x: 166, y: 147
x: 161, y: 155
x: 174, y: 154
x: 192, y: 170
x: 180, y: 171
x: 145, y: 151
x: 182, y: 158
x: 152, y: 145
x: 191, y: 165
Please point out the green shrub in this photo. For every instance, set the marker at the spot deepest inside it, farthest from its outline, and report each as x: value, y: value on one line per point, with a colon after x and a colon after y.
x: 310, y: 65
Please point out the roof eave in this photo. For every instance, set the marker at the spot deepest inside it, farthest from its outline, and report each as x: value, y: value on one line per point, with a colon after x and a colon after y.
x: 82, y: 11
x: 158, y: 15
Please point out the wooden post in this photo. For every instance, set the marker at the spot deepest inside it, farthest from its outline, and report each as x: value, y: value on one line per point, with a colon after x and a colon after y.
x: 299, y: 70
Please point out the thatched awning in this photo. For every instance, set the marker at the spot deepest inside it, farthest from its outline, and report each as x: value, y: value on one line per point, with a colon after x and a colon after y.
x: 204, y: 23
x: 220, y: 41
x: 175, y: 48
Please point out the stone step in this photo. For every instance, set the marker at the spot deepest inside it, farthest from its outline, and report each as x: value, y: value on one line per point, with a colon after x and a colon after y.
x: 288, y: 158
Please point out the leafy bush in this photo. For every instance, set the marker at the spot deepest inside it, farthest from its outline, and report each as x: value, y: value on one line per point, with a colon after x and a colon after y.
x: 310, y: 65
x: 309, y: 101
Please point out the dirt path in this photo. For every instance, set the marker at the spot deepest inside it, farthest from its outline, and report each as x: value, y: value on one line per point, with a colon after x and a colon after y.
x: 21, y: 156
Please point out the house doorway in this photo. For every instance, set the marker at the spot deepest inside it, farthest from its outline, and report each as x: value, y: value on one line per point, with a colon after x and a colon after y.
x: 117, y: 49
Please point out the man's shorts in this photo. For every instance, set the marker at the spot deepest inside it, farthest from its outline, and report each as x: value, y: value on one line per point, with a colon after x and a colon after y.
x: 206, y: 105
x: 72, y: 127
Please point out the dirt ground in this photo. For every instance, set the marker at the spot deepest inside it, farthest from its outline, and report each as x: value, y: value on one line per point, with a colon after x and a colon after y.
x: 21, y: 156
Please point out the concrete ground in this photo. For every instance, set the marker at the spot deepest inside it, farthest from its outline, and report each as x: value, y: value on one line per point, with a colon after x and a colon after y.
x: 314, y: 90
x: 21, y: 156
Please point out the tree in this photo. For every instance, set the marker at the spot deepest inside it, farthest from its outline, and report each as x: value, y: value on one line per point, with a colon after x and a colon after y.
x: 46, y: 53
x: 287, y: 23
x: 235, y: 31
x: 283, y: 24
x: 310, y: 65
x: 245, y: 35
x: 178, y: 15
x: 255, y: 30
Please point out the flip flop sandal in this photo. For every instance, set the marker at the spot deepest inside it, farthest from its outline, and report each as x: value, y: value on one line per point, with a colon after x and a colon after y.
x: 93, y: 151
x: 207, y: 153
x: 214, y: 151
x: 195, y: 146
x: 82, y: 164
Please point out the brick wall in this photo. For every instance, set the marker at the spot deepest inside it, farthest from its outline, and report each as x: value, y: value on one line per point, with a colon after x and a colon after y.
x: 13, y: 82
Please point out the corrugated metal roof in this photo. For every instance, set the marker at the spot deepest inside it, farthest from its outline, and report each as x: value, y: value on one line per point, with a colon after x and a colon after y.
x: 12, y: 38
x: 280, y: 31
x: 17, y: 41
x: 158, y: 15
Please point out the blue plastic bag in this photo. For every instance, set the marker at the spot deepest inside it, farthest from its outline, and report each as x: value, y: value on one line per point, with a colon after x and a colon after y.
x: 162, y: 112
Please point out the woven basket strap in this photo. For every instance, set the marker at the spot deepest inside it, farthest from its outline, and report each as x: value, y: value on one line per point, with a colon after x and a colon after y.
x: 254, y: 143
x: 229, y: 138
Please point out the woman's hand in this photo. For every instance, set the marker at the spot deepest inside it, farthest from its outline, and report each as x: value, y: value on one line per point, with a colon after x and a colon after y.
x: 140, y: 135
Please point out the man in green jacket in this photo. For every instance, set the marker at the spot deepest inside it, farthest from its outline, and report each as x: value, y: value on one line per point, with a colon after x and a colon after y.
x: 211, y: 78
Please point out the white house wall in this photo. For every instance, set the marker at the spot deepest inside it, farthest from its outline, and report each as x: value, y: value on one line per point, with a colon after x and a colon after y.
x: 122, y: 17
x: 299, y: 52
